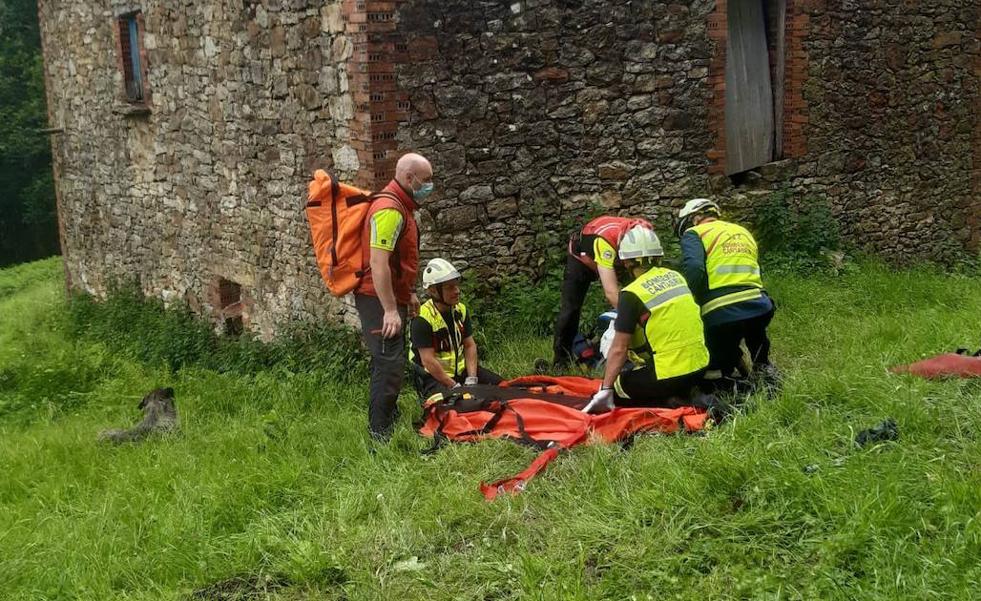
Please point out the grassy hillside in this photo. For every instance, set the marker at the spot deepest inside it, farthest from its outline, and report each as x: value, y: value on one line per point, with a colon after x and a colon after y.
x: 271, y: 490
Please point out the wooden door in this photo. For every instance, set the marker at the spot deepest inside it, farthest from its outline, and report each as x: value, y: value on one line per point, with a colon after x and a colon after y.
x: 749, y: 95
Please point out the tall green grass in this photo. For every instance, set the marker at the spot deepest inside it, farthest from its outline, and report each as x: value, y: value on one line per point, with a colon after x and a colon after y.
x: 273, y: 478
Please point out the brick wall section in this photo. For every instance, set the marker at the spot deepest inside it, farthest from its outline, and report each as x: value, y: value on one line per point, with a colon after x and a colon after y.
x: 795, y: 115
x: 248, y: 98
x: 718, y: 32
x: 892, y: 104
x: 379, y: 105
x: 539, y: 114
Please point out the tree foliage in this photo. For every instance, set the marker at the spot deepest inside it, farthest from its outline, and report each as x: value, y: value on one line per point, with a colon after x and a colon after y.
x: 28, y: 221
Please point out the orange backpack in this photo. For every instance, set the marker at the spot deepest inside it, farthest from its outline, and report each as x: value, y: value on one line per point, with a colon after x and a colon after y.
x: 336, y: 213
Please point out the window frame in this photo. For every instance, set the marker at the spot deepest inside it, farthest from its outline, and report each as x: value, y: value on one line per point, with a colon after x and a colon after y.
x: 132, y: 57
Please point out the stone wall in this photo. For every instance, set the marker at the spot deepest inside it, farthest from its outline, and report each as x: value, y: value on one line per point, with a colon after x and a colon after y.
x: 539, y: 113
x: 893, y: 92
x: 535, y: 113
x: 207, y: 183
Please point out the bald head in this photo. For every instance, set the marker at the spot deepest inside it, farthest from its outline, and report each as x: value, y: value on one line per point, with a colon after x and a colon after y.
x: 413, y: 170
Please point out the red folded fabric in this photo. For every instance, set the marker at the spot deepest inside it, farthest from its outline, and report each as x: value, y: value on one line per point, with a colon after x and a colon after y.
x: 947, y: 365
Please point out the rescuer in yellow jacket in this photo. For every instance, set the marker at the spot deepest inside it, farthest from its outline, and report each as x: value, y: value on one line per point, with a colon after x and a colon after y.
x: 443, y: 351
x: 720, y: 262
x: 658, y: 326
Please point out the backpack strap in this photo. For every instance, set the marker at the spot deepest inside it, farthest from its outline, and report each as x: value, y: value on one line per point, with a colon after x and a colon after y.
x: 402, y: 208
x: 335, y: 190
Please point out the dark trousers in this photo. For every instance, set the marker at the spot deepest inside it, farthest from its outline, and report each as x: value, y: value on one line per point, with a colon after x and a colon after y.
x: 643, y: 389
x: 575, y: 285
x: 723, y: 343
x: 427, y: 386
x: 387, y: 365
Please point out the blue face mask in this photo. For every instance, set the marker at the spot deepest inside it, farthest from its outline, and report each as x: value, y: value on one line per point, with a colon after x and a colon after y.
x: 423, y: 192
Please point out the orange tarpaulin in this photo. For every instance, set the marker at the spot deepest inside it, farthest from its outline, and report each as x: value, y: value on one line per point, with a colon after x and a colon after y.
x: 545, y: 412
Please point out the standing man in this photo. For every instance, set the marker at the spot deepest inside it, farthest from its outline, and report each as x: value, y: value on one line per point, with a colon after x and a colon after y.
x: 592, y: 255
x: 386, y: 296
x: 659, y: 326
x: 720, y: 261
x: 443, y: 352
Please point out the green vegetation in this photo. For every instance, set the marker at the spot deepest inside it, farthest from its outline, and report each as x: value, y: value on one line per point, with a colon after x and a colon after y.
x: 28, y: 226
x: 272, y: 485
x: 142, y: 329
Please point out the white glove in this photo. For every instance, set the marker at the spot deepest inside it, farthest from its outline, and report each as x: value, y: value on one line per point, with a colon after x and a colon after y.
x: 470, y: 381
x: 455, y: 385
x: 601, y: 402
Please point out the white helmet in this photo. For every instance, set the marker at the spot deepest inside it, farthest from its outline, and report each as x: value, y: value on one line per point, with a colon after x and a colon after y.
x: 439, y: 271
x: 640, y: 241
x: 694, y: 207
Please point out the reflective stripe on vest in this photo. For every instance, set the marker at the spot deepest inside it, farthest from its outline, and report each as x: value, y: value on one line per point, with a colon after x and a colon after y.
x: 674, y: 328
x: 723, y: 269
x: 447, y: 343
x: 664, y: 297
x: 731, y: 299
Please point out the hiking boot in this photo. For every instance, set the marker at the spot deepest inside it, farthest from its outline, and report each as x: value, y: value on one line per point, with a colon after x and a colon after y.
x: 718, y: 409
x: 768, y: 376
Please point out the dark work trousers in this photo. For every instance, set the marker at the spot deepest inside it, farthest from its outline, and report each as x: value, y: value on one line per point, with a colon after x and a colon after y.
x: 387, y: 364
x: 645, y: 390
x: 427, y: 386
x: 723, y: 343
x: 575, y: 285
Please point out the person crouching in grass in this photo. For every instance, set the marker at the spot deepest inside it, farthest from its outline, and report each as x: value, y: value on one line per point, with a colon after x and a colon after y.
x: 443, y: 352
x: 659, y: 325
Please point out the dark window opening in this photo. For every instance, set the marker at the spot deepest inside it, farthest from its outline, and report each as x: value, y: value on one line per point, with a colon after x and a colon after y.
x: 747, y: 178
x: 229, y: 292
x: 131, y: 47
x: 234, y: 326
x: 230, y: 299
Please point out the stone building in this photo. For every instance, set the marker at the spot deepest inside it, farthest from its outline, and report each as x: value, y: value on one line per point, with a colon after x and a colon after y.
x: 186, y: 131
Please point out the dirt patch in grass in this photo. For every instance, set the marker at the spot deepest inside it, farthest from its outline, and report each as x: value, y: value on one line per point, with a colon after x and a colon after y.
x: 247, y: 587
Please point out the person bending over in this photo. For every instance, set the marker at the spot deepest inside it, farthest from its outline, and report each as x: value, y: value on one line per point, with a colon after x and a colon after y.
x: 659, y: 326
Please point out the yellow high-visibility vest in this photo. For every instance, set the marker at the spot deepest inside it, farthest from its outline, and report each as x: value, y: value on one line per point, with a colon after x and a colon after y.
x: 447, y: 341
x: 674, y: 329
x: 731, y: 259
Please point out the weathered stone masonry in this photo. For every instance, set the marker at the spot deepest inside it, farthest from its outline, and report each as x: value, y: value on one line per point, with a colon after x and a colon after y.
x: 246, y: 98
x: 536, y: 113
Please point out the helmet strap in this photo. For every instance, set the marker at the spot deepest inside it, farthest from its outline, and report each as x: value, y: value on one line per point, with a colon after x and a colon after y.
x: 437, y: 294
x: 683, y: 224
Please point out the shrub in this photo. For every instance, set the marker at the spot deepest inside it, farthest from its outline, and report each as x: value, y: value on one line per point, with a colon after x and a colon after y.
x: 798, y: 234
x: 142, y: 328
